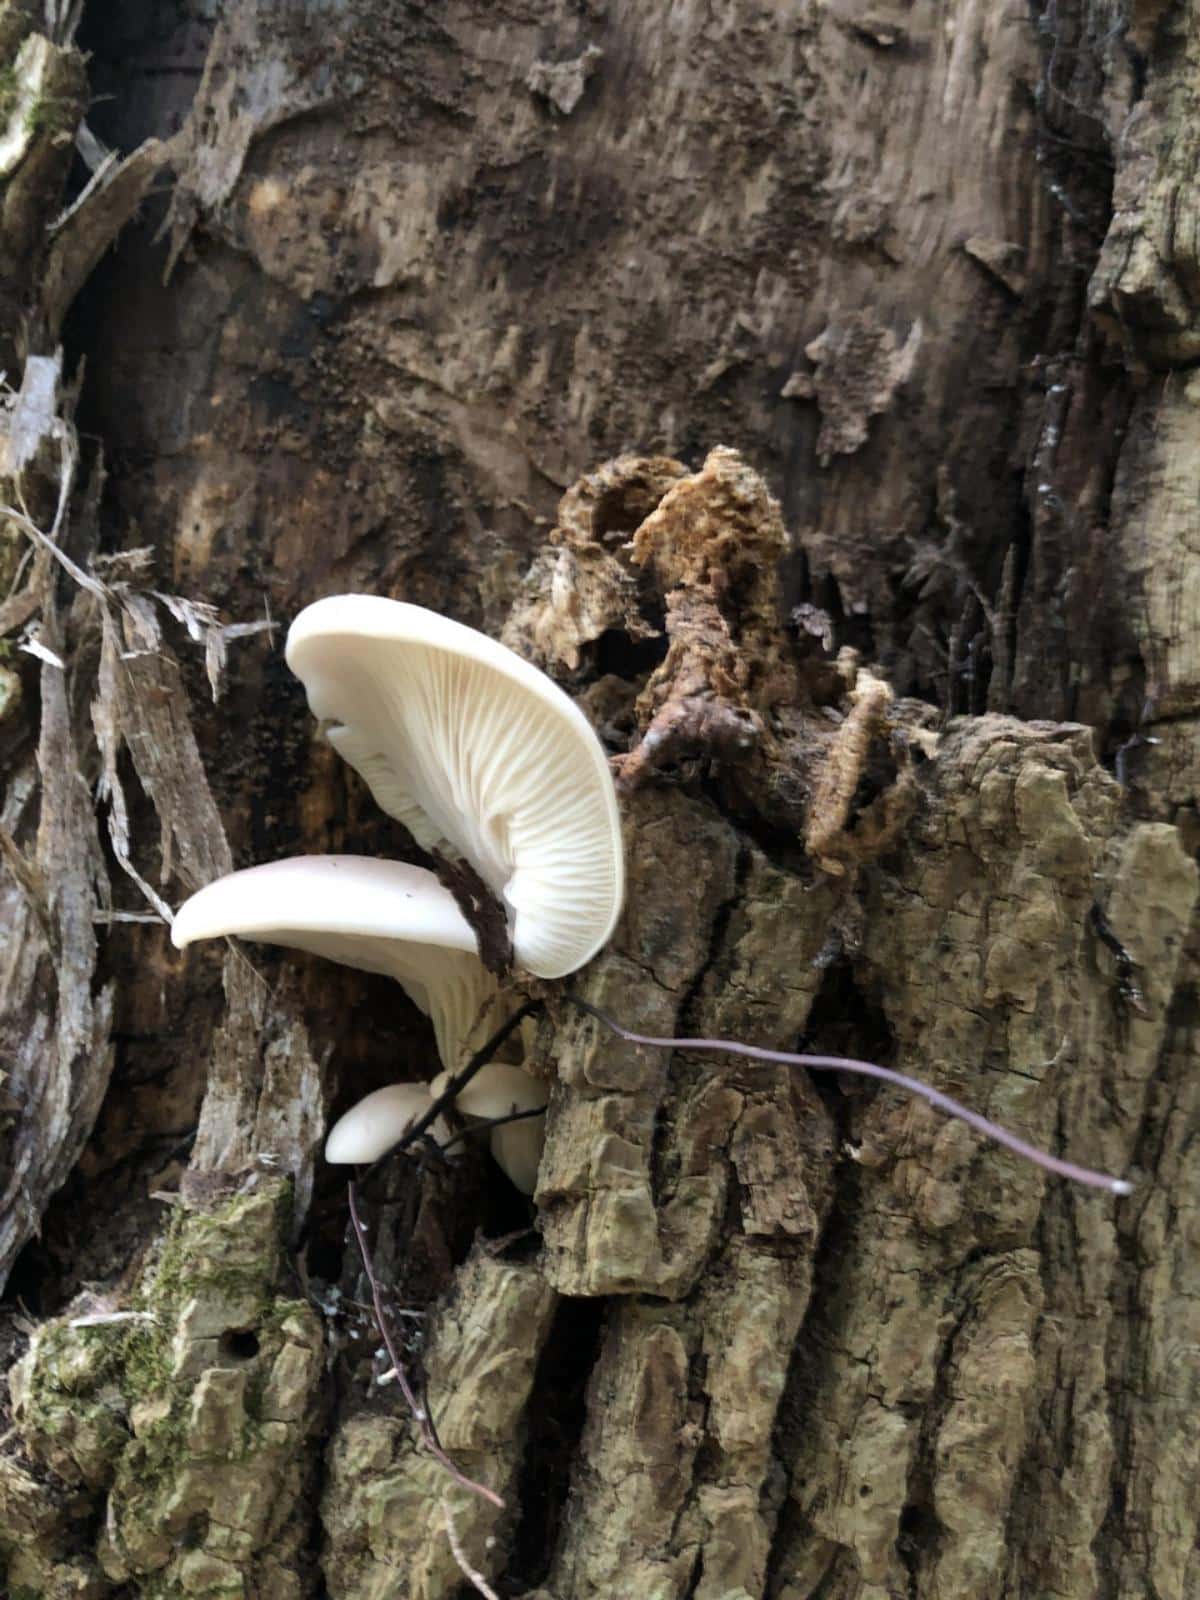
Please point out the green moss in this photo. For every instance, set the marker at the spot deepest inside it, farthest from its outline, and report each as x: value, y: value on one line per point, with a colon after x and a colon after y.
x: 70, y: 1406
x: 50, y: 115
x: 146, y: 1361
x: 196, y: 1419
x: 8, y: 92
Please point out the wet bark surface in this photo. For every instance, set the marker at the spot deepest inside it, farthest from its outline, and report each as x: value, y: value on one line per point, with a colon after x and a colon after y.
x: 808, y: 390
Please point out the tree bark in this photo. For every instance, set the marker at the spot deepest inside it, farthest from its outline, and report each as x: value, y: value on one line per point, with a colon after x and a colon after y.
x: 807, y: 389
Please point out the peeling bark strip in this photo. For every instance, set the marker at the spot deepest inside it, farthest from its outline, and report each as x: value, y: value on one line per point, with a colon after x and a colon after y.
x: 55, y: 1013
x: 54, y: 1020
x: 931, y: 274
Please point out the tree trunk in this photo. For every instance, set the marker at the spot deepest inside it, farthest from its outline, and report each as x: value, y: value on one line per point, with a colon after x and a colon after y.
x: 808, y: 389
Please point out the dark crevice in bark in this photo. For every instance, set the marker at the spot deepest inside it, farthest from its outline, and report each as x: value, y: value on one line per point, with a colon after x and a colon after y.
x: 31, y: 1273
x: 557, y: 1412
x: 917, y: 1538
x: 311, y: 1543
x: 96, y: 1226
x: 145, y: 63
x: 692, y: 1581
x: 731, y: 794
x: 844, y: 1020
x: 794, y: 1417
x: 632, y: 659
x: 1130, y: 1341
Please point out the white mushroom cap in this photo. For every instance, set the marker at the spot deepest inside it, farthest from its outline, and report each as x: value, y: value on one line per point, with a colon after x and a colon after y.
x: 465, y: 742
x: 498, y: 1090
x: 517, y: 1151
x: 369, y: 1129
x: 381, y: 916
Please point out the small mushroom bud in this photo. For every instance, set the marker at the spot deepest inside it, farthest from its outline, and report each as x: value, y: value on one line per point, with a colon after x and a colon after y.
x: 517, y: 1151
x: 370, y: 1129
x: 499, y: 1090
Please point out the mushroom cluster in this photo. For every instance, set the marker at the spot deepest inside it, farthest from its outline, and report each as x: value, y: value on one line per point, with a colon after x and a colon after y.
x: 483, y: 758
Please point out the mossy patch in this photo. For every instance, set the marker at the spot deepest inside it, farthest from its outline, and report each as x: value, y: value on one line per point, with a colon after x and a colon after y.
x: 192, y: 1417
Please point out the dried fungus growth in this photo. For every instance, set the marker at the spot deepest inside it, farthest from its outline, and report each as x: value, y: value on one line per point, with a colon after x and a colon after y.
x: 581, y: 586
x: 828, y: 838
x: 644, y: 549
x: 711, y: 548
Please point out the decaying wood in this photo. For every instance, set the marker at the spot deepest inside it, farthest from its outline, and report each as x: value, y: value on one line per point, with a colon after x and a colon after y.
x: 807, y: 390
x: 54, y: 1023
x: 55, y: 1015
x: 382, y: 1500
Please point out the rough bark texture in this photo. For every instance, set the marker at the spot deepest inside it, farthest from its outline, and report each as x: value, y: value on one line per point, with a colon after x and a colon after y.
x: 808, y: 389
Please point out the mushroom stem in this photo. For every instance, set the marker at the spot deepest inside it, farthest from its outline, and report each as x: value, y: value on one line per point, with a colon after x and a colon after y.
x: 420, y: 1413
x: 455, y: 1085
x: 868, y: 1069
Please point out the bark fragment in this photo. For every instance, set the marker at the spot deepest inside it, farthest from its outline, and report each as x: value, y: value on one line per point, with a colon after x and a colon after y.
x: 54, y: 1016
x: 579, y: 588
x: 381, y: 1504
x: 860, y: 365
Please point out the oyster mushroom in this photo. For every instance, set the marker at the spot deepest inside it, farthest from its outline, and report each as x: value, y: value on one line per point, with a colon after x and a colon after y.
x: 499, y: 1090
x: 380, y: 916
x: 466, y: 743
x: 370, y: 1129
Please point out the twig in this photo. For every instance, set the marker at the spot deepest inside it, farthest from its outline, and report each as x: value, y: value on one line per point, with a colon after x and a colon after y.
x: 420, y: 1413
x: 868, y: 1069
x: 486, y: 1124
x: 475, y: 1579
x: 46, y: 542
x: 128, y: 916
